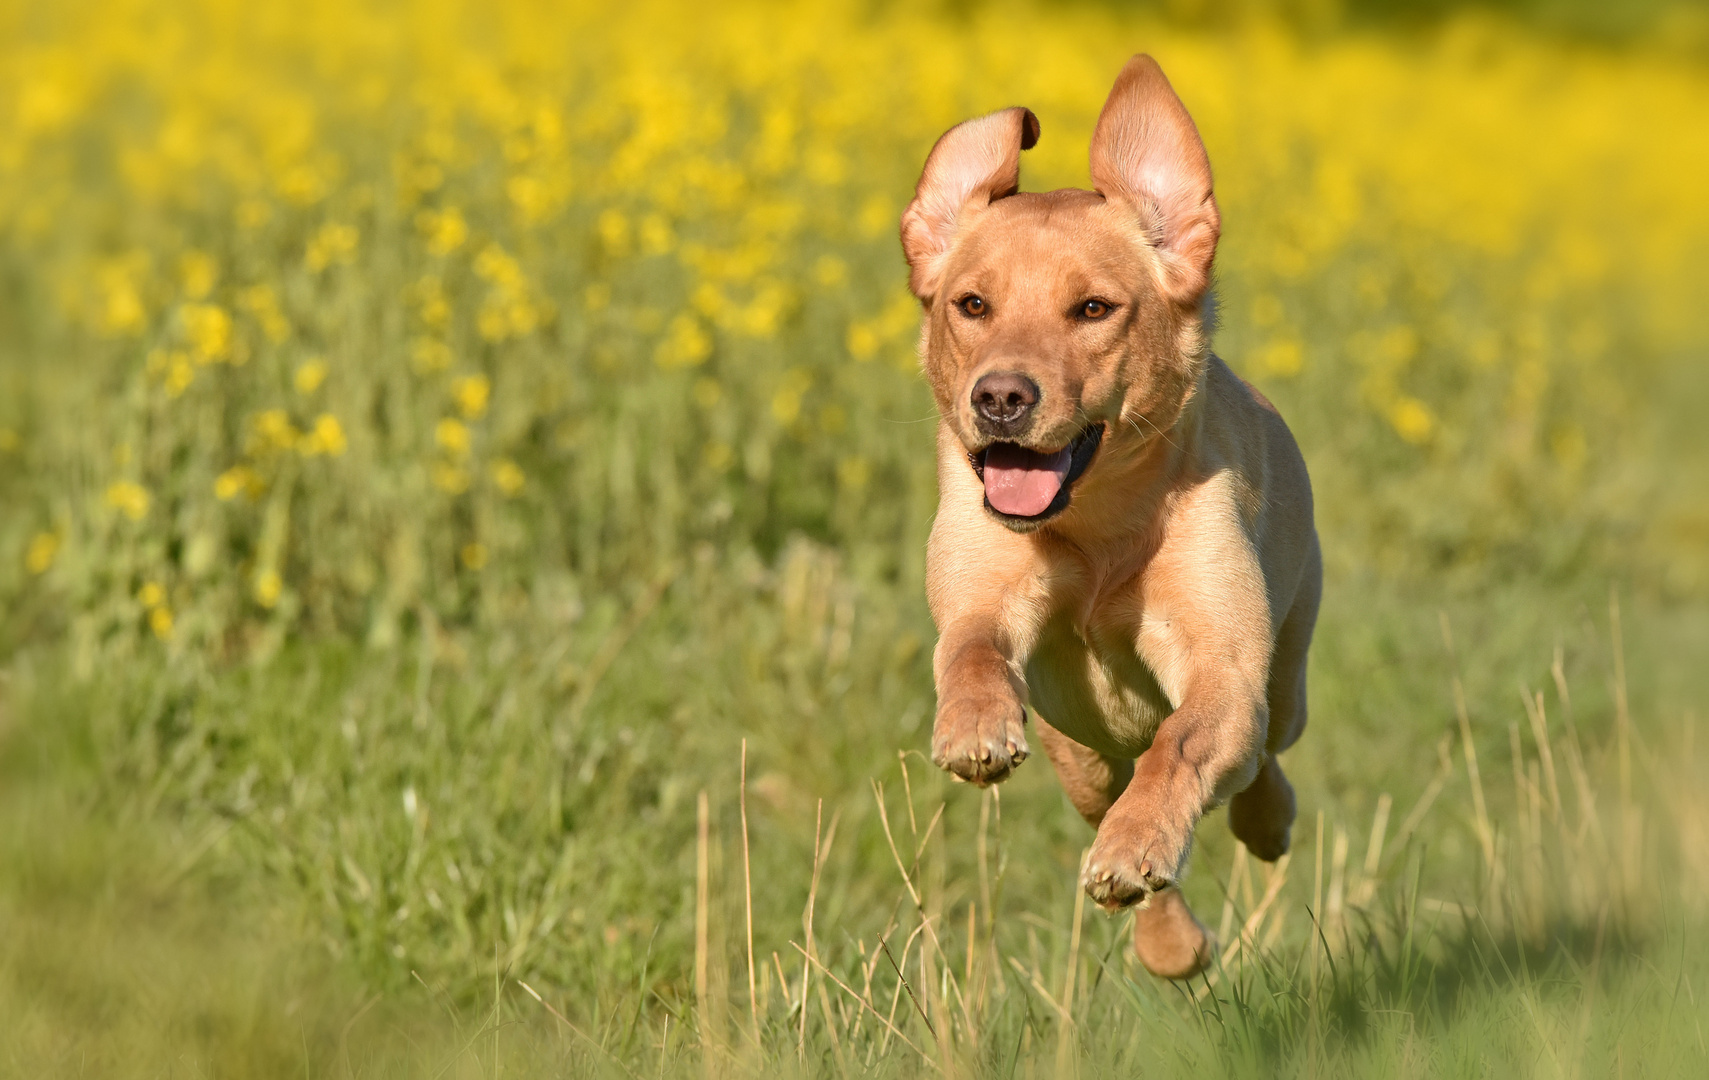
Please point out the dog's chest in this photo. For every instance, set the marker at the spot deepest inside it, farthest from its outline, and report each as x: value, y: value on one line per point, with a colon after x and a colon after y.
x: 1085, y: 678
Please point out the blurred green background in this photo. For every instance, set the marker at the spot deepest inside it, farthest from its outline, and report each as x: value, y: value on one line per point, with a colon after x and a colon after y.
x: 434, y: 437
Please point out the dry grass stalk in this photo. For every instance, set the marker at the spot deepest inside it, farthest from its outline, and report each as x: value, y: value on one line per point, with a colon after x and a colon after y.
x: 1277, y: 877
x: 748, y: 905
x: 1332, y: 909
x: 1480, y: 809
x: 1631, y: 821
x: 703, y: 923
x: 807, y: 923
x: 1367, y: 887
x: 1415, y: 816
x: 1066, y: 1059
x: 1317, y: 901
x: 1538, y: 718
x: 890, y: 1027
x: 584, y: 1036
x: 1237, y: 876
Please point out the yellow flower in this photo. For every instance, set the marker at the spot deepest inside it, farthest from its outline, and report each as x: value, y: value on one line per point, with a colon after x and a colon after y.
x: 531, y: 197
x: 1412, y: 420
x: 435, y: 306
x: 274, y: 430
x: 508, y: 476
x: 445, y: 231
x: 686, y: 345
x: 130, y: 499
x: 268, y: 587
x: 1283, y: 357
x: 160, y: 621
x: 208, y: 329
x: 198, y: 271
x: 253, y: 213
x: 496, y: 266
x: 151, y: 595
x: 862, y: 341
x: 760, y: 318
x: 332, y: 243
x: 326, y: 437
x: 310, y: 374
x: 471, y: 393
x: 450, y: 478
x: 40, y: 554
x: 122, y: 312
x: 302, y: 185
x: 429, y: 355
x: 786, y: 402
x: 493, y: 322
x: 474, y: 556
x: 657, y: 237
x: 8, y: 440
x: 453, y: 435
x: 614, y: 231
x: 238, y: 478
x: 179, y: 374
x: 830, y: 271
x: 261, y: 302
x: 853, y: 473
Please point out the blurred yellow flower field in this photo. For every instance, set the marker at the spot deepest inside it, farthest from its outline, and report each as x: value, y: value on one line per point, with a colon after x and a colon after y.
x: 1482, y: 243
x: 473, y: 400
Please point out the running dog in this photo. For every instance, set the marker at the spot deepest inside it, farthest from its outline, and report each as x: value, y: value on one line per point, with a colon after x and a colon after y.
x: 1124, y: 538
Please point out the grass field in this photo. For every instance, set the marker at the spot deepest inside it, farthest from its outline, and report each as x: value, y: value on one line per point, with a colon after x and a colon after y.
x: 465, y: 478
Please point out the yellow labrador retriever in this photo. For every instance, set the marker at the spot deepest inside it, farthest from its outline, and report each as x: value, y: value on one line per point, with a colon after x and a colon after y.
x: 1124, y: 537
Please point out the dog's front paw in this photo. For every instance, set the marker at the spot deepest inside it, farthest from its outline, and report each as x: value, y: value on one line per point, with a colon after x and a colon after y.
x: 1136, y: 854
x: 980, y: 737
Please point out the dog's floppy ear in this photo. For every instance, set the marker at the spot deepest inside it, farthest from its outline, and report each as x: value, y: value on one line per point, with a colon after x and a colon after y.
x: 1147, y: 153
x: 973, y: 164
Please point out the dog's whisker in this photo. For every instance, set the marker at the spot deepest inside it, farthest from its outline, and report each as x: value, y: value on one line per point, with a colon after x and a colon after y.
x: 1161, y: 433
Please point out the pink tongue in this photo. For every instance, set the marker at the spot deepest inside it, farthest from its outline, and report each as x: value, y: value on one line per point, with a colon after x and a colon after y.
x: 1023, y: 482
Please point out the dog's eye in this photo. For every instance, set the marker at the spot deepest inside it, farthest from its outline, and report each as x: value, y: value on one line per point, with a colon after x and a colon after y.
x: 971, y: 306
x: 1094, y: 309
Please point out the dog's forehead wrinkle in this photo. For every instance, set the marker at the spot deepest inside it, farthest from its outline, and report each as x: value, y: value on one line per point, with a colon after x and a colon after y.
x: 1048, y: 259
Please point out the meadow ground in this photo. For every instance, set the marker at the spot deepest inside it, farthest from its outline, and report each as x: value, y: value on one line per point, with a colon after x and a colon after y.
x: 466, y: 473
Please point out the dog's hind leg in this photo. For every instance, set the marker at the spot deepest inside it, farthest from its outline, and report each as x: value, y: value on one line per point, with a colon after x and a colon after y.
x: 1092, y: 780
x: 1262, y: 815
x: 1168, y: 939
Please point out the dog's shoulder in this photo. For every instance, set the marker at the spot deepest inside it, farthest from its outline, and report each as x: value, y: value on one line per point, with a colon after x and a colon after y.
x: 1258, y: 396
x: 1252, y: 439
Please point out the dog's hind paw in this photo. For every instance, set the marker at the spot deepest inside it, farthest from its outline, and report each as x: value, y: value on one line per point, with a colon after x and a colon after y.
x: 980, y: 739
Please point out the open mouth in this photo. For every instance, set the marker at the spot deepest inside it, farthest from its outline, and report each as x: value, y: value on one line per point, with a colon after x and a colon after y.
x: 1025, y: 486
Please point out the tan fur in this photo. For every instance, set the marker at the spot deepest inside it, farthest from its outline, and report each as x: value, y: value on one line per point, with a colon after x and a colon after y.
x: 1160, y: 621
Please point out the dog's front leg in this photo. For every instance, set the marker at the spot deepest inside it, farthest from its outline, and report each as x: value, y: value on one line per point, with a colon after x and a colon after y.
x: 1205, y: 751
x: 1205, y: 633
x: 979, y: 732
x: 988, y: 598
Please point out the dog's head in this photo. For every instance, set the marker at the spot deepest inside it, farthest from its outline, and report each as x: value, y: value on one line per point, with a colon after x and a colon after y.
x: 1062, y: 321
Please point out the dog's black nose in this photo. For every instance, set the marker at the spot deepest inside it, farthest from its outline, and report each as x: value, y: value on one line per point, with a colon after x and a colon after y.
x: 1003, y: 402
